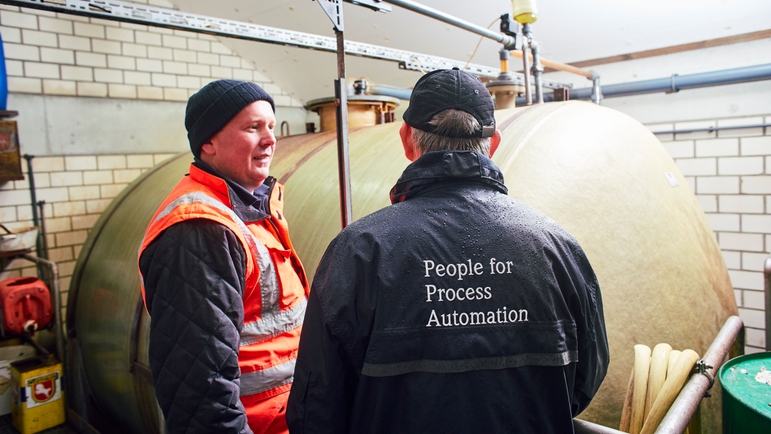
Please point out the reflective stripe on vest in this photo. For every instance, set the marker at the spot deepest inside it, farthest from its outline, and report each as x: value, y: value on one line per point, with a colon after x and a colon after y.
x: 273, y: 322
x: 270, y: 378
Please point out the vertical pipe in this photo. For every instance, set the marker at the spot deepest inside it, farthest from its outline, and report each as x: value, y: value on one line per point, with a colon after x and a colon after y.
x: 43, y: 234
x: 525, y: 66
x: 33, y: 196
x: 503, y: 55
x: 537, y: 71
x: 596, y: 90
x: 767, y: 275
x: 343, y: 165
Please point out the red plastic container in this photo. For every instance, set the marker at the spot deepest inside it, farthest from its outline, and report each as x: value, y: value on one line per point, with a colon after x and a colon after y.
x: 26, y: 305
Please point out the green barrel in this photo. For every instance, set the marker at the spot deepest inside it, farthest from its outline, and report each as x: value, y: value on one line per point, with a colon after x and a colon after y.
x: 746, y: 383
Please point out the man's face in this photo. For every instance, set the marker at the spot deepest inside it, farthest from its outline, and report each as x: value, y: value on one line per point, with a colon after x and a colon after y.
x: 243, y: 149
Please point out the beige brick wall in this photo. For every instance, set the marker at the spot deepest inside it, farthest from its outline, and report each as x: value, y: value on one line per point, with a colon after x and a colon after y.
x: 59, y: 54
x: 730, y: 172
x: 76, y: 190
x: 66, y: 55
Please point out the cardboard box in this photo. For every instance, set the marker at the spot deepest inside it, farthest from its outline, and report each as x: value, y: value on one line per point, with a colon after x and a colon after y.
x: 38, y: 396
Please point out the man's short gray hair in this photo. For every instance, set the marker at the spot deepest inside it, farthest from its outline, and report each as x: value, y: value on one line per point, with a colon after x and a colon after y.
x: 450, y: 122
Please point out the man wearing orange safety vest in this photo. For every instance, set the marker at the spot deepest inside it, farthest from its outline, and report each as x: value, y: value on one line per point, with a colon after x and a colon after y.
x: 223, y: 285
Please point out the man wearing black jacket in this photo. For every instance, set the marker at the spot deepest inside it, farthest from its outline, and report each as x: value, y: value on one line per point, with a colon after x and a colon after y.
x: 456, y: 309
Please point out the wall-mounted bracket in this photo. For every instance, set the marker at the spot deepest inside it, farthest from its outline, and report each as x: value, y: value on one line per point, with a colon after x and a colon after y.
x: 334, y: 10
x: 375, y: 5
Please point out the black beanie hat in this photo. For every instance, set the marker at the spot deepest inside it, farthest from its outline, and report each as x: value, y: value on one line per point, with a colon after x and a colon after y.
x: 212, y: 107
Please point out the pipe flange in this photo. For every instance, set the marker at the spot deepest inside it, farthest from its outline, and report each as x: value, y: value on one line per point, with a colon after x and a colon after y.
x: 672, y: 85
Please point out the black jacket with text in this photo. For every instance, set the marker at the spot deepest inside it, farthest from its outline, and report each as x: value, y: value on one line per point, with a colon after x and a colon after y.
x: 457, y: 309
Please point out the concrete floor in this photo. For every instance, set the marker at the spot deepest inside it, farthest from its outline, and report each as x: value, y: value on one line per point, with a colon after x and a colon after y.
x: 6, y: 427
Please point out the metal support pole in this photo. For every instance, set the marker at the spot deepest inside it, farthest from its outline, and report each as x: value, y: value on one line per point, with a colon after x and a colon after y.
x: 43, y: 235
x: 334, y: 10
x: 689, y: 398
x: 33, y: 197
x: 343, y: 164
x: 767, y: 275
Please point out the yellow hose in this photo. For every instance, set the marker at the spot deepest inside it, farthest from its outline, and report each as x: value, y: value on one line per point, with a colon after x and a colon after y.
x: 642, y: 363
x: 626, y: 411
x: 673, y: 359
x: 658, y: 374
x: 675, y: 381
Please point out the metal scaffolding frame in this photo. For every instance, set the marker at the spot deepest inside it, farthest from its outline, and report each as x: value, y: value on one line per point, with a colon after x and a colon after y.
x: 173, y: 19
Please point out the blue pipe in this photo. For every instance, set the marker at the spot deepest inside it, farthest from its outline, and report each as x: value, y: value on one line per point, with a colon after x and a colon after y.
x: 673, y: 83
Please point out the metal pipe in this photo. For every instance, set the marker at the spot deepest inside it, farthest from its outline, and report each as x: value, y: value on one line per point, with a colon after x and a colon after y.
x: 767, y: 275
x: 712, y: 129
x: 43, y: 232
x: 584, y: 427
x: 343, y: 161
x: 676, y: 82
x: 537, y: 69
x: 449, y: 19
x: 33, y: 197
x: 526, y: 71
x: 705, y: 79
x: 393, y: 92
x: 689, y: 398
x: 553, y: 64
x: 596, y: 90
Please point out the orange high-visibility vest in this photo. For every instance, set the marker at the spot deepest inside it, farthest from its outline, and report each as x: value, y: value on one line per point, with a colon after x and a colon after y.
x: 276, y: 289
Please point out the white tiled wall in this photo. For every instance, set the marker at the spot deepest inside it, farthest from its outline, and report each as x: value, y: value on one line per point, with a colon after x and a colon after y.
x: 730, y: 172
x: 58, y: 54
x: 76, y: 190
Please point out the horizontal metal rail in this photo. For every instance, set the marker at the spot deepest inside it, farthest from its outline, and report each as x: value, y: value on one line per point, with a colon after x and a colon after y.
x: 168, y: 18
x: 584, y: 427
x: 689, y: 398
x: 712, y: 129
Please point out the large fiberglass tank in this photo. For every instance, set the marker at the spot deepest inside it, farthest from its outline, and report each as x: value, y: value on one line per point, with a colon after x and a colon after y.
x: 597, y: 172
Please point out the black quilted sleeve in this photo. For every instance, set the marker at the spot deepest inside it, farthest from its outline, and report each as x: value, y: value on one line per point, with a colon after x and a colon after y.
x: 194, y: 281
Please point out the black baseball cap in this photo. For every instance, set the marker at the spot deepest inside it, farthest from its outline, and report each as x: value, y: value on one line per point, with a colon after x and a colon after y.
x: 450, y: 89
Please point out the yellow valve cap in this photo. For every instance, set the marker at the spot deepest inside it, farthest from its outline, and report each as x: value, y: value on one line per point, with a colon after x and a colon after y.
x: 524, y: 11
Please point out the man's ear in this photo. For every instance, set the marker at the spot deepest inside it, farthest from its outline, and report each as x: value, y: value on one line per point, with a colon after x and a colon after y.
x: 495, y: 140
x: 405, y: 133
x: 208, y: 148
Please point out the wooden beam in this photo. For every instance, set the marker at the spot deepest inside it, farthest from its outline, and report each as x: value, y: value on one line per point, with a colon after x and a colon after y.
x: 746, y: 37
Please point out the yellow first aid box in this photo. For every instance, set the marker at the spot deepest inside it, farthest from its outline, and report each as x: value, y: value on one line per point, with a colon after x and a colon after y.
x: 38, y: 396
